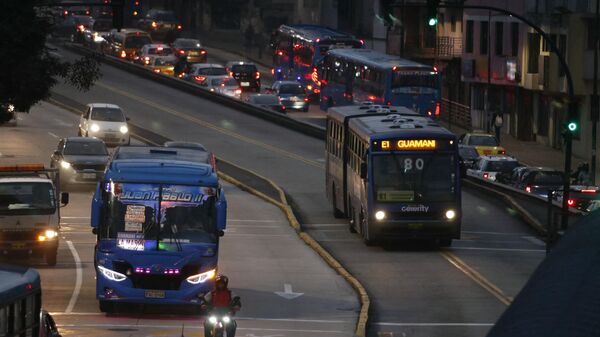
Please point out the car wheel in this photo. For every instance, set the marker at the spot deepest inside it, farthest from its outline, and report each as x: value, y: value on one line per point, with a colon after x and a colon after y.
x: 106, y: 306
x: 365, y: 231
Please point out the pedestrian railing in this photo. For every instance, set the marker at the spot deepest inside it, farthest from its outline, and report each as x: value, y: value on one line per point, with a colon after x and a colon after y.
x: 456, y: 114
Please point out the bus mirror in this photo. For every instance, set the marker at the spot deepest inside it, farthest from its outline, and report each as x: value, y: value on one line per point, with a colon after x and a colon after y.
x: 64, y: 198
x: 363, y: 171
x: 97, y: 205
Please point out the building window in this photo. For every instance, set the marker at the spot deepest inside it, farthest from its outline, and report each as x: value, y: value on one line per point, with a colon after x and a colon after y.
x: 483, y: 38
x: 514, y: 33
x: 453, y: 24
x: 591, y: 38
x: 499, y: 38
x: 469, y: 37
x: 533, y: 45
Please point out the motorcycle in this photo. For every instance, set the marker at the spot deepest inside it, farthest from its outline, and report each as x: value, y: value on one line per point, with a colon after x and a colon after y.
x: 218, y: 320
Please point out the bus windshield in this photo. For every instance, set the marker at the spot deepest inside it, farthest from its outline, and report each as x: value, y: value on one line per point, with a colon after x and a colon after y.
x: 414, y: 178
x: 23, y: 198
x: 186, y: 214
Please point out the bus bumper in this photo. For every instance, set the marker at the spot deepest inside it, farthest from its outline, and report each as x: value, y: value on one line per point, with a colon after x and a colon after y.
x: 427, y: 230
x: 37, y: 248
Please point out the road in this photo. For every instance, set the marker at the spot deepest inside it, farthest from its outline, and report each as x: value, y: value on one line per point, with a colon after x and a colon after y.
x: 460, y: 291
x: 260, y: 253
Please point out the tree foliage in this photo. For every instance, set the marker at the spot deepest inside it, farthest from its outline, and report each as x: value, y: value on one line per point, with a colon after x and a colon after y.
x: 28, y: 67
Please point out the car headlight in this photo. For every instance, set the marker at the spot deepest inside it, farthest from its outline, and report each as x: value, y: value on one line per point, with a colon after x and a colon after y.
x: 450, y: 214
x: 212, y: 319
x: 226, y: 319
x: 95, y: 128
x: 65, y: 164
x: 51, y: 234
x: 203, y: 277
x: 380, y: 215
x: 111, y: 274
x: 124, y: 129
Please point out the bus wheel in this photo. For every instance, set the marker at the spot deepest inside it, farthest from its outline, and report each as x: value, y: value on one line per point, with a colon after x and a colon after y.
x: 51, y: 257
x: 336, y: 212
x: 364, y: 231
x: 445, y: 242
x: 106, y: 306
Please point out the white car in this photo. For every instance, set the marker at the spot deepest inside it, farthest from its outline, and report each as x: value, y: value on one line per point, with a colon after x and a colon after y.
x: 228, y: 87
x: 151, y: 51
x: 204, y: 74
x: 489, y: 167
x: 106, y: 122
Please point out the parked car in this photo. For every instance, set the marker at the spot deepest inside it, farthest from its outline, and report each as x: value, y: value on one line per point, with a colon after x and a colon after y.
x: 162, y: 25
x: 291, y: 95
x: 245, y: 73
x: 80, y: 160
x: 467, y: 156
x: 191, y: 49
x: 106, y: 122
x: 267, y: 101
x: 485, y: 144
x: 488, y: 167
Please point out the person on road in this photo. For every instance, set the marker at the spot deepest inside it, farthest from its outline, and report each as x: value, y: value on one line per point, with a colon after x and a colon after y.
x: 220, y: 300
x: 498, y: 122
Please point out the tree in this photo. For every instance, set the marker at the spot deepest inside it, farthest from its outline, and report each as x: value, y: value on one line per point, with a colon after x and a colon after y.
x: 28, y: 67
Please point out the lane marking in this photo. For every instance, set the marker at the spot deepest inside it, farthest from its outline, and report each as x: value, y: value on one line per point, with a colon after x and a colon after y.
x: 242, y: 220
x: 178, y: 326
x: 434, y: 324
x: 75, y: 217
x: 241, y: 318
x: 78, y: 278
x: 520, y: 250
x: 535, y: 241
x: 214, y: 127
x: 492, y: 233
x: 477, y: 277
x: 53, y: 135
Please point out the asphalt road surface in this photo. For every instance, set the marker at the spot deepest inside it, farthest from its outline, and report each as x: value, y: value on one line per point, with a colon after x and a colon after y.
x: 260, y: 253
x: 415, y: 290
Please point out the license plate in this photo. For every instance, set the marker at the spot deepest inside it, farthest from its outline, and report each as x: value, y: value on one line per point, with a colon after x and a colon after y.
x: 19, y: 245
x: 245, y: 84
x: 154, y: 294
x: 89, y: 176
x: 194, y: 53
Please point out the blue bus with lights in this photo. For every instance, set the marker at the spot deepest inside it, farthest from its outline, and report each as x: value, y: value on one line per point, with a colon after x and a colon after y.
x: 350, y: 76
x: 393, y: 173
x: 298, y: 49
x: 158, y: 214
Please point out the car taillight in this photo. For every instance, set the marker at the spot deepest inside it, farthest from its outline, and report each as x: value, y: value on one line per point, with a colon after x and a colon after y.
x: 238, y: 91
x: 123, y: 54
x: 588, y: 191
x: 571, y: 202
x: 317, y: 90
x: 305, y: 99
x: 157, y: 71
x: 181, y: 52
x: 65, y: 12
x: 389, y: 103
x: 485, y: 176
x: 199, y: 78
x: 203, y: 52
x: 257, y: 75
x: 371, y: 97
x: 502, y: 152
x: 179, y: 27
x: 429, y: 113
x: 154, y: 24
x: 528, y: 189
x: 81, y: 28
x: 87, y: 12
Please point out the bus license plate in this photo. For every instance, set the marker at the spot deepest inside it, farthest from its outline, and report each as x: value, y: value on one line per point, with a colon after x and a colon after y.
x: 245, y: 84
x: 154, y: 294
x: 19, y: 245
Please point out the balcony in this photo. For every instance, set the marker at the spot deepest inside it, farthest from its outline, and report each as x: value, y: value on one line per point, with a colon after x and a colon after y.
x: 426, y: 47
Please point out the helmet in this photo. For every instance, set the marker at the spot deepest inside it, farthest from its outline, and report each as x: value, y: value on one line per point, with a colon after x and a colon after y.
x: 222, y: 278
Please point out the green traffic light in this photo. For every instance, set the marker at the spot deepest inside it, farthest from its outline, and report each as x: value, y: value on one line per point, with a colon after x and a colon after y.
x: 572, y: 126
x: 433, y: 21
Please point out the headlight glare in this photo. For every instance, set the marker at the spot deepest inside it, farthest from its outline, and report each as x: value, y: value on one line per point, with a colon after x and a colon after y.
x: 380, y: 215
x: 95, y: 128
x: 226, y: 319
x: 65, y: 164
x: 111, y: 274
x: 124, y: 129
x: 203, y: 277
x: 212, y: 319
x: 51, y: 234
x: 450, y: 214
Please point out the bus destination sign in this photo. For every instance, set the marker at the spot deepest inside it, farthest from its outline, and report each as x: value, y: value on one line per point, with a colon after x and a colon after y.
x: 407, y: 144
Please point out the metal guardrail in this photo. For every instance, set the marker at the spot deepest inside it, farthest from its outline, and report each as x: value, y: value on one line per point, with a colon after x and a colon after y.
x: 456, y: 114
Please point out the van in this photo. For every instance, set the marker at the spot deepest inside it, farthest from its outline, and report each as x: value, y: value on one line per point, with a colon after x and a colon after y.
x: 127, y: 43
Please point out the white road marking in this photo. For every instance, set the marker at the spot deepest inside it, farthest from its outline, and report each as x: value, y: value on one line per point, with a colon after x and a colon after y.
x: 501, y: 249
x: 78, y: 278
x: 310, y: 225
x: 75, y: 217
x: 53, y: 135
x: 244, y: 220
x: 535, y: 241
x: 434, y: 324
x: 491, y: 233
x: 177, y: 326
x: 288, y: 293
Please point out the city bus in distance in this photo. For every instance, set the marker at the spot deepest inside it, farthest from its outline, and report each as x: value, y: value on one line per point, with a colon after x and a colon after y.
x: 158, y: 214
x: 298, y: 49
x: 393, y: 173
x: 21, y: 311
x: 350, y: 76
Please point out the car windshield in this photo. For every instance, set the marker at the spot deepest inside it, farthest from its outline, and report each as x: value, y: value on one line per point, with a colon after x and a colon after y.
x: 187, y: 43
x: 414, y: 178
x: 504, y: 166
x: 165, y: 16
x: 162, y: 62
x: 483, y: 141
x: 293, y: 89
x: 548, y: 178
x: 243, y: 68
x: 265, y: 99
x: 137, y: 42
x: 186, y: 214
x: 211, y: 71
x: 468, y: 152
x: 103, y: 25
x: 108, y: 115
x: 26, y: 198
x: 160, y: 51
x: 85, y: 149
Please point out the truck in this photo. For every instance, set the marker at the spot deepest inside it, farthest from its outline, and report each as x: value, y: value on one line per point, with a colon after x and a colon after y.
x: 30, y: 202
x: 158, y: 214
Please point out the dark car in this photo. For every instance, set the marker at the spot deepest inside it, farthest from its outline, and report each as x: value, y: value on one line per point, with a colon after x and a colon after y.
x: 73, y: 26
x: 94, y: 37
x: 266, y: 101
x: 191, y: 49
x: 291, y: 94
x: 467, y: 156
x: 582, y: 197
x: 161, y: 24
x: 80, y: 160
x: 540, y: 180
x: 246, y: 74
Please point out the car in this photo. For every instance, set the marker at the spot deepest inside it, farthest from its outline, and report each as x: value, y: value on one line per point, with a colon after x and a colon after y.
x: 148, y: 52
x: 204, y: 74
x: 291, y: 94
x: 80, y: 160
x: 467, y: 156
x: 106, y: 122
x: 245, y: 73
x: 162, y: 65
x: 191, y: 49
x: 127, y: 43
x: 94, y: 37
x: 489, y: 167
x: 485, y: 143
x: 229, y: 87
x: 72, y: 27
x: 80, y: 10
x: 540, y: 180
x: 267, y: 101
x: 581, y: 197
x: 161, y: 24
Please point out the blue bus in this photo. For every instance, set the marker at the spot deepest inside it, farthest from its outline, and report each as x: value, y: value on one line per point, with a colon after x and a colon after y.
x: 158, y: 214
x: 298, y: 49
x: 393, y: 173
x: 350, y: 76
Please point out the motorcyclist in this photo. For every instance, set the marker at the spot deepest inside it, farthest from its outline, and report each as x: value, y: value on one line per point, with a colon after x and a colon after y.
x: 220, y: 301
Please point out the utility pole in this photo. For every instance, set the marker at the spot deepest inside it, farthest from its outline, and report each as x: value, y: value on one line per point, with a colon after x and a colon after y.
x: 595, y: 108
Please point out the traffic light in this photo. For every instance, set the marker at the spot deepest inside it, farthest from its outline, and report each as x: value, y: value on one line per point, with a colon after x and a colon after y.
x: 117, y: 13
x: 572, y: 123
x: 432, y: 9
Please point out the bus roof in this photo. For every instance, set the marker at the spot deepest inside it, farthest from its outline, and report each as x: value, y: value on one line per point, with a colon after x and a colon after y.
x: 313, y: 32
x: 157, y: 164
x: 377, y: 59
x: 392, y: 122
x: 16, y: 282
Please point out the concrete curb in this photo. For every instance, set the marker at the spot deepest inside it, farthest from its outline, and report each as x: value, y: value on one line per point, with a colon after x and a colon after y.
x: 285, y: 207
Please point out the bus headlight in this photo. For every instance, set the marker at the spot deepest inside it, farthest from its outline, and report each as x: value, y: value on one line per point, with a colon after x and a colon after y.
x: 65, y: 164
x: 212, y: 319
x: 380, y: 215
x: 203, y: 277
x: 450, y: 214
x: 226, y: 319
x: 95, y: 127
x: 51, y: 234
x: 124, y: 129
x: 111, y: 274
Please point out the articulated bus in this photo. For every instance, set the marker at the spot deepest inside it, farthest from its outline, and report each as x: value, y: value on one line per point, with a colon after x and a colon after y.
x: 299, y: 48
x: 158, y: 214
x: 393, y: 173
x: 350, y: 76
